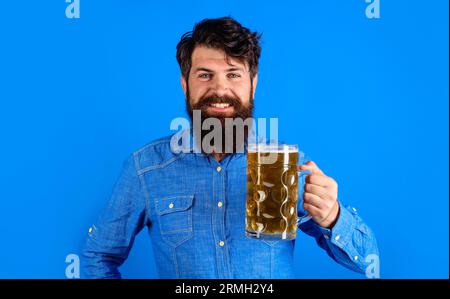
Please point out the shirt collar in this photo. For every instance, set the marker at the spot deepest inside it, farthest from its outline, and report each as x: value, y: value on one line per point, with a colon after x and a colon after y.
x: 193, y: 146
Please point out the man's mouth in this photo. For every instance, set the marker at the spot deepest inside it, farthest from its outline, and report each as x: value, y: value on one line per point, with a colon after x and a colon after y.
x: 220, y: 107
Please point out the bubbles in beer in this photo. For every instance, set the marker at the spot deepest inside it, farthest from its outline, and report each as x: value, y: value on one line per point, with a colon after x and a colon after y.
x: 272, y: 195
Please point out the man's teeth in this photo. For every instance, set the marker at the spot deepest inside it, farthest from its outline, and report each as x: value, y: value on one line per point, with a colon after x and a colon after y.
x: 220, y: 105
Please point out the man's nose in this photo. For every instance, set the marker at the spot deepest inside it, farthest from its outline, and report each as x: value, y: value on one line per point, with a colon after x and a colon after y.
x: 220, y: 86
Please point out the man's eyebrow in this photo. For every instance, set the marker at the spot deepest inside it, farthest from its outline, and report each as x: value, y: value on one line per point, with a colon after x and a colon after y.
x: 233, y: 69
x: 203, y: 69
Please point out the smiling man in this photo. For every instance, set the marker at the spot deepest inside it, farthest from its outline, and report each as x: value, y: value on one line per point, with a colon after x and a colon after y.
x: 193, y: 203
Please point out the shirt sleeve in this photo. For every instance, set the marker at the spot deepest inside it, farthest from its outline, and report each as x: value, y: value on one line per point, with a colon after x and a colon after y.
x: 111, y: 238
x: 350, y: 242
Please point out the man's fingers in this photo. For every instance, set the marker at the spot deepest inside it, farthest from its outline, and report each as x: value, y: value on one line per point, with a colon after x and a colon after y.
x: 315, y: 212
x: 316, y: 190
x: 312, y: 163
x: 317, y: 179
x: 314, y: 200
x: 311, y: 166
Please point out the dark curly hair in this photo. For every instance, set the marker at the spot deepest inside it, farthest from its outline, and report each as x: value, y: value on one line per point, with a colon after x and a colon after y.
x: 222, y: 33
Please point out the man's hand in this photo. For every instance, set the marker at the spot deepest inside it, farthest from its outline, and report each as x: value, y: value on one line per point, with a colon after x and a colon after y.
x: 320, y: 196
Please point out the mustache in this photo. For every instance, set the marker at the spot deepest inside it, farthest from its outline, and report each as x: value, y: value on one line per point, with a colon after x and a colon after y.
x: 208, y: 100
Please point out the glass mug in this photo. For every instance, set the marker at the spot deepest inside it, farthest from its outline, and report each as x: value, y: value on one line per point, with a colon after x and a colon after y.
x: 272, y: 191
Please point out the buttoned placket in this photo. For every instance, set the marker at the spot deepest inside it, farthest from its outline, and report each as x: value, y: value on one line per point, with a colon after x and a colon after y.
x: 218, y: 217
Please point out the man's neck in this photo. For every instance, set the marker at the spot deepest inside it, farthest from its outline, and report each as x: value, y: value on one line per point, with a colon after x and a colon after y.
x: 218, y: 156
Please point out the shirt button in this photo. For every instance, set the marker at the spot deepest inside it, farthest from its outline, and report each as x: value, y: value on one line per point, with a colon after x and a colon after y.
x: 219, y: 204
x: 355, y: 257
x: 218, y: 168
x: 90, y: 230
x: 337, y: 238
x: 354, y: 210
x: 221, y: 243
x: 326, y: 237
x: 170, y: 205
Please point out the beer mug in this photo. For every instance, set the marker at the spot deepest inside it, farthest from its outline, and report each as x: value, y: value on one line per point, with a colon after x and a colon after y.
x: 272, y: 191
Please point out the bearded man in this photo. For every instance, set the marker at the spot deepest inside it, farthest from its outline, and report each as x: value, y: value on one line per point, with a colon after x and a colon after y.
x: 193, y: 202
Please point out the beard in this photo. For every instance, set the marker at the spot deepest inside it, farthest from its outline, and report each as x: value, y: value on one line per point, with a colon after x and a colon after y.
x: 231, y: 141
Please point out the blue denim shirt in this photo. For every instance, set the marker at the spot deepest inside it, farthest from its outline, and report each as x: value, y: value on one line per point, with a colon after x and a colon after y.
x: 194, y: 209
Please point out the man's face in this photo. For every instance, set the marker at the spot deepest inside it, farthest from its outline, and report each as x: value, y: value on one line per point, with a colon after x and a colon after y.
x: 218, y: 86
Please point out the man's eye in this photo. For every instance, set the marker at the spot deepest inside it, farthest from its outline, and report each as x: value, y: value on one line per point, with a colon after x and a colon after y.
x: 233, y: 75
x: 204, y: 76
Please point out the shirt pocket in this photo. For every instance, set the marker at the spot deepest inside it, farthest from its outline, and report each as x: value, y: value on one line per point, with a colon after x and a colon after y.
x: 175, y: 218
x: 270, y: 242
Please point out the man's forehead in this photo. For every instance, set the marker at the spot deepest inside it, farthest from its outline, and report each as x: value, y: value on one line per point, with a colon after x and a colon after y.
x: 212, y: 57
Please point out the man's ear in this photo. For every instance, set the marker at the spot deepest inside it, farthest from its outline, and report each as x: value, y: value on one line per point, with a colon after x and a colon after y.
x: 255, y: 82
x: 183, y: 84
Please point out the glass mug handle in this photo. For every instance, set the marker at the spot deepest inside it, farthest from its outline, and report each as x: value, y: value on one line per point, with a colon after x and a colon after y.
x: 307, y: 217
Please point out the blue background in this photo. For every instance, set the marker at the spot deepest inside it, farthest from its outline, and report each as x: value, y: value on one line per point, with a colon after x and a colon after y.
x: 366, y: 98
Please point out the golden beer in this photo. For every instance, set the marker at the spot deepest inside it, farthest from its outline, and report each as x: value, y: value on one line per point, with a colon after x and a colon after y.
x: 272, y: 182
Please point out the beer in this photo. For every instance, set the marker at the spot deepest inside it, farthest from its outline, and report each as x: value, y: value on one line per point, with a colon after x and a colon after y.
x: 272, y: 182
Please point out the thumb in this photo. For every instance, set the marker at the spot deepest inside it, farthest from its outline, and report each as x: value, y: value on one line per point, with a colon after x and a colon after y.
x: 310, y: 165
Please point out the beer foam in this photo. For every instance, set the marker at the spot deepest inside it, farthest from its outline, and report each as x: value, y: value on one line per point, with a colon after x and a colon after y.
x: 273, y: 148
